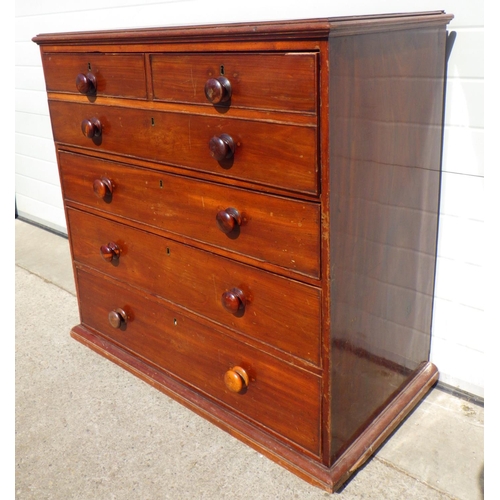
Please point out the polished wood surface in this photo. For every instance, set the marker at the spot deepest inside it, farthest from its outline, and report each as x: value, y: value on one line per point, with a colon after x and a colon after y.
x: 119, y: 75
x: 278, y: 394
x: 184, y: 140
x: 383, y: 214
x: 266, y: 307
x: 252, y: 212
x: 261, y: 81
x: 249, y: 33
x: 273, y: 229
x: 86, y: 83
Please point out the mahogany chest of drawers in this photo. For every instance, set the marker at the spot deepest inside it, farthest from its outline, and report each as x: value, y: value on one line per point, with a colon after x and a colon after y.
x: 252, y: 213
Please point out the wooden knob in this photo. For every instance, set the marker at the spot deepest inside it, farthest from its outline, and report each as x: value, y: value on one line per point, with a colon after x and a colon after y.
x: 228, y: 220
x: 118, y: 318
x: 221, y: 147
x: 103, y: 188
x: 91, y: 128
x: 234, y: 300
x: 218, y: 90
x: 236, y: 379
x: 86, y: 84
x: 110, y: 252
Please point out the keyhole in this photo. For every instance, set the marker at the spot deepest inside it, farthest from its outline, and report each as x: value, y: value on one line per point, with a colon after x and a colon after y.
x: 175, y: 322
x: 161, y: 184
x: 90, y: 68
x: 168, y: 251
x: 152, y: 122
x: 222, y: 69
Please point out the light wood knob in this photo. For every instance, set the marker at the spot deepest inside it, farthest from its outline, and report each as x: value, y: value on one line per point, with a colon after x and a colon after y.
x: 236, y: 379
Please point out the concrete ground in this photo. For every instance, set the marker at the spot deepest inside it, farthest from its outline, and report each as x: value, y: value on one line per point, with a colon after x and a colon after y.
x: 87, y: 429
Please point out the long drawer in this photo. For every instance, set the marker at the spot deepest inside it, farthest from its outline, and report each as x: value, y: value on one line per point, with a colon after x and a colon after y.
x: 116, y: 75
x: 277, y: 81
x: 278, y: 396
x: 280, y: 312
x: 273, y: 229
x: 275, y: 154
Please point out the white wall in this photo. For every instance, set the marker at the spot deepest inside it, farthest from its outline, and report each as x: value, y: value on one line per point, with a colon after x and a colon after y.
x: 459, y: 331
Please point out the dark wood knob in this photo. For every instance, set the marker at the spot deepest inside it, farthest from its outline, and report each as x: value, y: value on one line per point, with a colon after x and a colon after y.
x: 218, y: 90
x: 236, y: 379
x: 91, y: 128
x: 118, y: 318
x: 221, y: 147
x: 86, y: 84
x: 228, y: 220
x: 110, y: 252
x: 103, y: 188
x: 234, y: 300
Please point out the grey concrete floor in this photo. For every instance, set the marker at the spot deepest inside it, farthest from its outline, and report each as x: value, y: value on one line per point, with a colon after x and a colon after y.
x: 86, y: 429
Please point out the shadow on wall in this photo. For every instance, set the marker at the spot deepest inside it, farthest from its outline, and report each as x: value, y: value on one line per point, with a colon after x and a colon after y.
x: 480, y: 480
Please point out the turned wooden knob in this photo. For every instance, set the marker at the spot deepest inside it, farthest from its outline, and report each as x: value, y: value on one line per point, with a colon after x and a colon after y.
x: 228, y: 220
x: 103, y: 188
x: 234, y: 300
x: 91, y: 128
x: 218, y: 90
x: 86, y: 84
x: 118, y: 318
x: 221, y: 147
x: 236, y: 379
x: 110, y: 252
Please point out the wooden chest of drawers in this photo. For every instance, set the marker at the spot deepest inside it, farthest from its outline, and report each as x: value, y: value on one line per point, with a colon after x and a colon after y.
x: 252, y: 212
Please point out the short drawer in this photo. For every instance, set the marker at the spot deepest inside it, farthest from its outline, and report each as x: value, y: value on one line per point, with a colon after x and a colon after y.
x: 278, y: 396
x: 116, y: 75
x: 284, y: 156
x: 279, y: 81
x: 280, y: 312
x: 273, y: 229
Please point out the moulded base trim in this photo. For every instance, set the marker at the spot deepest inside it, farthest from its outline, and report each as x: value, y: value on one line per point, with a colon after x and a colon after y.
x: 314, y: 472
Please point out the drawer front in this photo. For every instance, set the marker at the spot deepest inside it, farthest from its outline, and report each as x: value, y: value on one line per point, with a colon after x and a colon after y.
x: 116, y: 75
x: 278, y: 396
x: 280, y: 81
x: 273, y: 229
x: 278, y: 155
x: 277, y: 311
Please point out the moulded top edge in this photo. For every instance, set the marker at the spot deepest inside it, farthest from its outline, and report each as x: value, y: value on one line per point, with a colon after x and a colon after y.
x: 285, y: 30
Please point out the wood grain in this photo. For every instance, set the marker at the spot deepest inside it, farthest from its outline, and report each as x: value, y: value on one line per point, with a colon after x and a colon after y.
x: 384, y: 215
x: 267, y: 153
x: 281, y: 81
x: 278, y: 311
x: 118, y: 75
x: 254, y: 226
x: 282, y: 231
x: 277, y: 395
